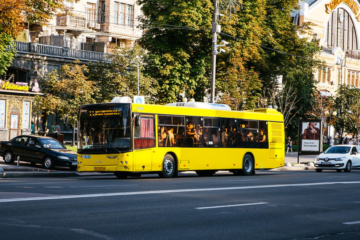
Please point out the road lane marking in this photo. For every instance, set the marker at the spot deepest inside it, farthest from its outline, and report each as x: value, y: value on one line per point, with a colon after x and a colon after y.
x: 170, y: 191
x: 236, y: 205
x: 351, y: 223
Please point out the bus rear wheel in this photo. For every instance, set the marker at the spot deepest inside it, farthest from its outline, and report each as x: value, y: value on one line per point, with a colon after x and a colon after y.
x: 169, y: 167
x: 205, y: 173
x: 248, y: 165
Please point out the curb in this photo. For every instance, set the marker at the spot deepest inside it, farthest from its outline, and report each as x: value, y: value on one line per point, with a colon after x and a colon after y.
x: 36, y: 174
x: 294, y: 168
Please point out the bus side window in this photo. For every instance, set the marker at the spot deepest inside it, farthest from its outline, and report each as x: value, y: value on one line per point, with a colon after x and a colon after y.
x: 248, y: 134
x: 171, y: 131
x: 228, y: 132
x: 263, y: 134
x: 145, y: 133
x: 194, y: 132
x: 212, y: 135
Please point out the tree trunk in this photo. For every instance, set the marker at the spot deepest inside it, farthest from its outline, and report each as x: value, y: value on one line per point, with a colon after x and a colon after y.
x: 73, y: 135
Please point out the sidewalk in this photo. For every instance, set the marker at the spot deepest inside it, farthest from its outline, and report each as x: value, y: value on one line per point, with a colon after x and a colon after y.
x: 291, y: 163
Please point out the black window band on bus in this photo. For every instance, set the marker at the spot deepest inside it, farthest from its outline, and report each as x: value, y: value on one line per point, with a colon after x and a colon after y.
x: 209, y: 132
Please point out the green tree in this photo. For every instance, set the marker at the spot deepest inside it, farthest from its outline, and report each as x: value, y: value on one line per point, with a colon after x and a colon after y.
x: 7, y: 52
x: 71, y: 88
x: 119, y: 76
x: 178, y: 59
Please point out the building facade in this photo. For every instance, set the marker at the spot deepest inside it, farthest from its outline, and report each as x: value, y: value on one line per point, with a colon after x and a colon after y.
x: 89, y: 31
x: 336, y: 26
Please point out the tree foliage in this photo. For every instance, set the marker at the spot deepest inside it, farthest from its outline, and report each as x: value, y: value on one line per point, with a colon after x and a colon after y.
x: 178, y: 59
x: 7, y: 52
x: 119, y: 76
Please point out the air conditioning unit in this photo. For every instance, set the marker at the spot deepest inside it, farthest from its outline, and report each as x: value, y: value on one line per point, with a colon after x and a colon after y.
x: 91, y: 24
x: 122, y: 44
x: 97, y: 26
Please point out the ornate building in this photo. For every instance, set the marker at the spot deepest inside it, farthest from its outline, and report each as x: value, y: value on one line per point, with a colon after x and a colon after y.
x: 336, y: 25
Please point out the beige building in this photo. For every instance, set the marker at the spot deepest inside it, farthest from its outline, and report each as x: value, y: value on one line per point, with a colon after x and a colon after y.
x: 336, y: 25
x: 92, y: 25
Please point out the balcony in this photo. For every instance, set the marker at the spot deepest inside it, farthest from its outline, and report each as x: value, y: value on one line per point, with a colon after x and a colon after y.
x: 353, y: 54
x: 61, y: 52
x: 67, y: 20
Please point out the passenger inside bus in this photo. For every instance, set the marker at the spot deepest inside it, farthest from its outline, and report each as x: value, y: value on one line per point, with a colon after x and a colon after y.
x: 207, y: 137
x: 262, y: 136
x: 162, y: 136
x: 216, y: 138
x: 232, y: 138
x: 224, y: 136
x: 170, y: 139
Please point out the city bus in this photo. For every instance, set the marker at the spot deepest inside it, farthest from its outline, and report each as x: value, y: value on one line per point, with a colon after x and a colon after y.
x: 133, y: 139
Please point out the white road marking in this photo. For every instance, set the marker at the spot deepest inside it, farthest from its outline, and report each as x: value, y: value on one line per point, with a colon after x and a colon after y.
x: 170, y: 191
x: 236, y: 205
x: 351, y: 223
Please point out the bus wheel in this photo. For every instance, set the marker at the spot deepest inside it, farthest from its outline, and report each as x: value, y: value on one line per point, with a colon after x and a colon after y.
x: 169, y: 167
x: 248, y: 165
x: 205, y: 173
x: 121, y: 175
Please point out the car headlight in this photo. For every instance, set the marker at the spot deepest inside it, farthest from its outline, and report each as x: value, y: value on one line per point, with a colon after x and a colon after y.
x: 316, y: 159
x: 340, y: 159
x: 64, y: 157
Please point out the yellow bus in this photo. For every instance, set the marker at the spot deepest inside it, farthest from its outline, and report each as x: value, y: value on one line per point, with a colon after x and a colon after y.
x: 133, y: 139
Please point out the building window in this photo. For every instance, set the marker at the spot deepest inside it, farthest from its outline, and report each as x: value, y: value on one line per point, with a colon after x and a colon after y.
x: 339, y: 76
x: 123, y: 14
x: 324, y: 76
x: 329, y: 75
x: 91, y: 12
x: 102, y: 12
x: 319, y: 77
x: 341, y: 31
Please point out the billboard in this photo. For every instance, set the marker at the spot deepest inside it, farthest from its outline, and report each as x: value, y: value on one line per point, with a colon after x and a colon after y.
x: 310, y: 136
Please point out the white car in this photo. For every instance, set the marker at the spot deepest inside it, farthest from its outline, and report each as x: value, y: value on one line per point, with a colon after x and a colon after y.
x: 340, y: 157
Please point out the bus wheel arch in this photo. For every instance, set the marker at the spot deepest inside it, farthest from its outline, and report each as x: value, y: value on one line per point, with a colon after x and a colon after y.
x: 169, y: 165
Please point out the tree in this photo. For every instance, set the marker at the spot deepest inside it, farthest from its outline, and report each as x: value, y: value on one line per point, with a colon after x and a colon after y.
x: 178, y: 58
x: 118, y: 76
x: 47, y: 104
x: 7, y: 52
x: 72, y: 88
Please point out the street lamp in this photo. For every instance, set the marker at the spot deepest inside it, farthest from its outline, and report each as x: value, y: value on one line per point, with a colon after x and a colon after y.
x: 342, y: 63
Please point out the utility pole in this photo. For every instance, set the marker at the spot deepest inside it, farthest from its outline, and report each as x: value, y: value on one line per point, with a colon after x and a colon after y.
x: 214, y: 50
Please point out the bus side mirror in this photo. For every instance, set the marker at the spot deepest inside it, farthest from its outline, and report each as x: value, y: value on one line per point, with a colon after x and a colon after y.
x: 137, y: 120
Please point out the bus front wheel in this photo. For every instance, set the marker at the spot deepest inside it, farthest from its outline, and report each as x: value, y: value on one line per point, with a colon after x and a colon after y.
x: 169, y: 167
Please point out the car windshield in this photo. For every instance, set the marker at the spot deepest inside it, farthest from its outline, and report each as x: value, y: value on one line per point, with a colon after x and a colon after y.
x: 104, y: 128
x: 338, y: 150
x: 51, y: 144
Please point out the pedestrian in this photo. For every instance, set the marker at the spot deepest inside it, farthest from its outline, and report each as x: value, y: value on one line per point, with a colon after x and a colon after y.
x: 289, y: 146
x: 57, y: 130
x: 331, y: 142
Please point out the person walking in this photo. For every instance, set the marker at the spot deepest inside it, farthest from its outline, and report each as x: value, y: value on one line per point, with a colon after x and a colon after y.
x: 57, y: 130
x: 331, y: 142
x: 289, y: 146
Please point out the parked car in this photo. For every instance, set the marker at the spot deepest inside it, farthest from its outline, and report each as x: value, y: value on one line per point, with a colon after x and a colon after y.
x: 37, y: 149
x: 340, y: 157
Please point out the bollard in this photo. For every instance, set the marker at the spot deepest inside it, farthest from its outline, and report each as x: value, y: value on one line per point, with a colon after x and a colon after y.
x: 18, y: 160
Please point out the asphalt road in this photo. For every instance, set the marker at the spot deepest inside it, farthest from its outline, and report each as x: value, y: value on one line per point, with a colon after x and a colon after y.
x: 268, y: 205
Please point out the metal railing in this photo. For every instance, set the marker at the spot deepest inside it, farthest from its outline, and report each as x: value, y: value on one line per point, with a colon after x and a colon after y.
x: 353, y: 54
x: 71, y: 21
x: 55, y: 51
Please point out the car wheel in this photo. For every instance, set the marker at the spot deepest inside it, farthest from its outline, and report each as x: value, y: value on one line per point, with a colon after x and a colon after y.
x: 8, y: 157
x: 48, y: 163
x: 348, y: 167
x: 338, y: 170
x: 169, y: 167
x: 205, y: 173
x: 73, y: 167
x: 318, y: 170
x: 121, y: 175
x: 248, y: 165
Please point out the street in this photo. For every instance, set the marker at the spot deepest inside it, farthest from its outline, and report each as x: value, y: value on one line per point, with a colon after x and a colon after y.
x: 268, y: 205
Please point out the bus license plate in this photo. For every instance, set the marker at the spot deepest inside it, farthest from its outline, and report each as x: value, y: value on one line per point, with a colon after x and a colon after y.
x: 99, y: 169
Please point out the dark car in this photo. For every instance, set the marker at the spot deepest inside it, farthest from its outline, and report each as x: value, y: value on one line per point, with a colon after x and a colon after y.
x: 36, y: 149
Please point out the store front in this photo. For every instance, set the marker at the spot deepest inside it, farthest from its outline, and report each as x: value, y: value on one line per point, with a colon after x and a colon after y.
x: 16, y: 100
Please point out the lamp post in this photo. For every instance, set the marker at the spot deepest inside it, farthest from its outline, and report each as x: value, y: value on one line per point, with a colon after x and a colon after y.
x: 138, y: 74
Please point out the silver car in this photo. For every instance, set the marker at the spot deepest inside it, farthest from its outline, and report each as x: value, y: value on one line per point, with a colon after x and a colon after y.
x: 340, y: 157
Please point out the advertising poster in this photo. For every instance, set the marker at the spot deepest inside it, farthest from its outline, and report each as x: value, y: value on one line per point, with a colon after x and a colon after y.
x: 26, y: 115
x: 2, y: 113
x: 310, y: 136
x: 14, y: 119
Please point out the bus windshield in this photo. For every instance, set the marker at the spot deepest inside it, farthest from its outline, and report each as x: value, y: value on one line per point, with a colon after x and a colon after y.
x: 104, y: 129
